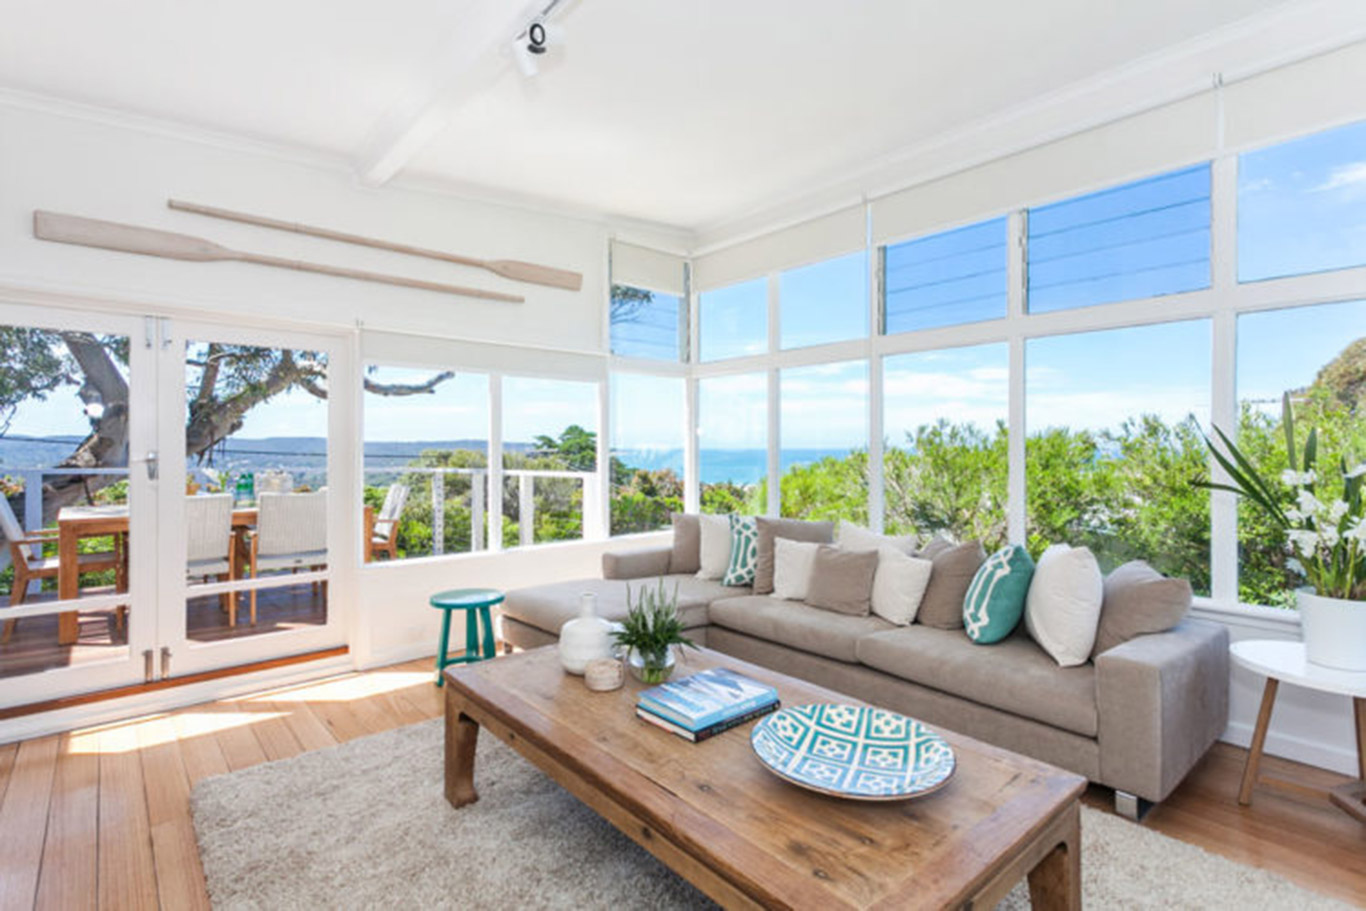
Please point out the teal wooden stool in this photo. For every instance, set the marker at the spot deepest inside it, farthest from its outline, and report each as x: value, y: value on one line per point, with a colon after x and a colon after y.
x: 475, y: 602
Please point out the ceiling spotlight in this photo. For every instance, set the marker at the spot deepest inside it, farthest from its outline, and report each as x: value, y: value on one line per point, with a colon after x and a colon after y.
x: 536, y: 38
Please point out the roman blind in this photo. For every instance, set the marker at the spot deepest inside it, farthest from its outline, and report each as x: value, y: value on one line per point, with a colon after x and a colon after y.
x: 1160, y: 139
x: 821, y: 238
x: 402, y: 348
x: 652, y: 270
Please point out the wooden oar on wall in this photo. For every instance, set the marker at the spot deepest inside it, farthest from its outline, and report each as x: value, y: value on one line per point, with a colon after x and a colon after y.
x: 507, y: 268
x: 111, y: 235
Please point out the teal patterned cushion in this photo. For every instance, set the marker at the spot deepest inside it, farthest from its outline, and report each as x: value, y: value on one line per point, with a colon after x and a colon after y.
x: 996, y: 598
x: 744, y: 551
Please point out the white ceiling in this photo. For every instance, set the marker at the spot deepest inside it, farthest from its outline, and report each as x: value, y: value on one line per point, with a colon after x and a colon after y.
x: 686, y: 113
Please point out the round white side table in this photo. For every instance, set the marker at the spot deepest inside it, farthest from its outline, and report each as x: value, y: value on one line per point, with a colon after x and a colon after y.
x: 1284, y: 662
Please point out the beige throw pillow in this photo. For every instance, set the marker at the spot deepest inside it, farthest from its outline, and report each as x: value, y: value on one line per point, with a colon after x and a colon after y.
x: 955, y: 565
x: 856, y: 537
x: 1139, y: 600
x: 1062, y: 608
x: 792, y: 562
x: 714, y: 547
x: 686, y: 556
x: 792, y: 529
x: 842, y: 580
x: 899, y: 585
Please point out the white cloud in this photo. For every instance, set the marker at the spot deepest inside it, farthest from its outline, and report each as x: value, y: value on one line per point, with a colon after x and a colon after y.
x: 1348, y: 177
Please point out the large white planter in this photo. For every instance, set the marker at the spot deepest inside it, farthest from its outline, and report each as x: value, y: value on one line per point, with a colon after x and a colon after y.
x: 1334, y: 631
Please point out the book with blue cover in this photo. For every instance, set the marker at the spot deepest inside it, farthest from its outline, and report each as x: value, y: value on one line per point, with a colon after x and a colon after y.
x: 707, y: 697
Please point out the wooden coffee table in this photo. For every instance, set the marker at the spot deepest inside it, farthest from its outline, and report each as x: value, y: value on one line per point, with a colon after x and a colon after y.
x: 745, y: 837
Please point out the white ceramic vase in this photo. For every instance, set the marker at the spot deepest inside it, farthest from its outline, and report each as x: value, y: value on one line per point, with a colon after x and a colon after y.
x: 1334, y: 631
x: 586, y: 637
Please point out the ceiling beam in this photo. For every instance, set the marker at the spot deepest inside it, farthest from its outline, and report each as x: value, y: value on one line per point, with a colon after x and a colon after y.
x: 460, y: 67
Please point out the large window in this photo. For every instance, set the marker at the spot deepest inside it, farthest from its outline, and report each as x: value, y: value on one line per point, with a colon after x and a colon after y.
x: 1142, y: 239
x: 647, y: 451
x: 824, y: 428
x: 733, y: 321
x: 946, y: 279
x: 550, y: 455
x: 1114, y: 443
x: 1302, y: 205
x: 426, y: 460
x: 647, y: 324
x: 825, y: 302
x: 945, y: 455
x: 1318, y: 356
x: 732, y: 440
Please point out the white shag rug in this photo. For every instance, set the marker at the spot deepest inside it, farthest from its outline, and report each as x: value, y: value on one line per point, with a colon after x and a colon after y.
x: 365, y: 825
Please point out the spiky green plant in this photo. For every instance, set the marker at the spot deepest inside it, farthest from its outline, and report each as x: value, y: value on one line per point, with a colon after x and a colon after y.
x: 652, y: 626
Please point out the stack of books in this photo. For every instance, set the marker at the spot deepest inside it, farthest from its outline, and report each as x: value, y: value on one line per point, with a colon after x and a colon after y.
x: 703, y: 705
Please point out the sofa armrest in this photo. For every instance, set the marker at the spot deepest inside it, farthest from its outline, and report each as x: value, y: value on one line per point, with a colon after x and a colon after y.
x: 1162, y: 701
x: 636, y: 564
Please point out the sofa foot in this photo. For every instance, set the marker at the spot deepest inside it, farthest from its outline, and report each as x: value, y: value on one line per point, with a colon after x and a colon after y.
x: 1131, y: 806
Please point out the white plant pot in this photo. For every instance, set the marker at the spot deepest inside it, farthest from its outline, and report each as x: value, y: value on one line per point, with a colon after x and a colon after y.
x: 1334, y: 631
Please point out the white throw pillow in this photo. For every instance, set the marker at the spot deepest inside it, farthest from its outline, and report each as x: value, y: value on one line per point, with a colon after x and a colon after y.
x: 899, y: 585
x: 1062, y: 609
x: 792, y: 568
x: 856, y: 537
x: 714, y: 549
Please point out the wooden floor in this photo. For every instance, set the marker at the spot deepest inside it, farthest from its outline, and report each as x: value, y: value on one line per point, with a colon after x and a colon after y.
x: 34, y: 646
x: 100, y: 817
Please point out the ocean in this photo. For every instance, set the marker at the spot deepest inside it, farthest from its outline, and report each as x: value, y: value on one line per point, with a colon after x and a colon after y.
x: 304, y: 456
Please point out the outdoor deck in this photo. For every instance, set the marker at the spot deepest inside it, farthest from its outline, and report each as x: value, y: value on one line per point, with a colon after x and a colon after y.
x: 34, y: 644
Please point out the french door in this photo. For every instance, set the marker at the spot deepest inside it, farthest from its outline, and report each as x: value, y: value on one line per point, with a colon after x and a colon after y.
x: 255, y: 504
x: 155, y: 475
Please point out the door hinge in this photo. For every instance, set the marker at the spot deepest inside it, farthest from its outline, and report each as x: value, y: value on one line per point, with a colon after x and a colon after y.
x: 165, y: 661
x: 148, y: 672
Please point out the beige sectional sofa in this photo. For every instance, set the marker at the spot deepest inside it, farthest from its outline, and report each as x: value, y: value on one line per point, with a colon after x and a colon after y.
x: 1136, y: 719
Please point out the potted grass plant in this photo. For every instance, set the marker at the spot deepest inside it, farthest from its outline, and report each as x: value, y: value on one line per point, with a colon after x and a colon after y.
x: 650, y: 633
x: 1324, y: 519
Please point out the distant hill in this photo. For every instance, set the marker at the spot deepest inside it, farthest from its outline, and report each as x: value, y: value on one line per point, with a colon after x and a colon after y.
x: 1345, y: 375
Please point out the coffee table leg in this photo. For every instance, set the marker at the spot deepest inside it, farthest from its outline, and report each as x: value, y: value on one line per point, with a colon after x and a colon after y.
x: 462, y: 736
x: 1254, y: 755
x: 1055, y: 883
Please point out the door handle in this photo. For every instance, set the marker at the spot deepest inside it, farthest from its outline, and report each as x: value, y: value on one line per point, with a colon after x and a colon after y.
x: 151, y: 462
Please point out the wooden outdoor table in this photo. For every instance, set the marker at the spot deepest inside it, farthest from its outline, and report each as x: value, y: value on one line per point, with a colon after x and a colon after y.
x: 77, y: 522
x: 715, y: 815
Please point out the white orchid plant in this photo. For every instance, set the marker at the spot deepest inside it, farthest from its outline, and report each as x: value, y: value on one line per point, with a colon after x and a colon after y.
x: 1326, y: 535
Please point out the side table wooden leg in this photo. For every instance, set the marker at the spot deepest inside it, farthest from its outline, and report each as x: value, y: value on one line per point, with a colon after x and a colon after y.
x: 462, y: 737
x: 1254, y: 755
x: 1352, y: 796
x: 1055, y: 883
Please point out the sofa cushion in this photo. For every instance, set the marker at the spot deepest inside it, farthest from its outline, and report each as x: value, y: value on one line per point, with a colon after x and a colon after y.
x: 714, y: 546
x: 955, y: 565
x: 547, y: 607
x: 1015, y: 675
x: 1062, y: 609
x: 1139, y: 600
x: 842, y: 580
x: 792, y: 562
x: 796, y: 625
x: 744, y: 552
x: 687, y: 549
x: 792, y: 530
x: 855, y: 537
x: 995, y: 601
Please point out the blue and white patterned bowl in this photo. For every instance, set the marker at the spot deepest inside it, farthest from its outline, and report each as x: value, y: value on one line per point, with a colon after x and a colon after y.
x: 853, y: 751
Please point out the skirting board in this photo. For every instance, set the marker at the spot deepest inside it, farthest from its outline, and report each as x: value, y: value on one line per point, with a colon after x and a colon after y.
x: 1310, y: 752
x: 29, y: 726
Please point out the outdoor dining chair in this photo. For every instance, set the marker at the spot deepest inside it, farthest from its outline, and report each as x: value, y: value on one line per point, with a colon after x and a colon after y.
x: 30, y: 564
x: 290, y: 533
x: 208, y: 542
x: 384, y: 538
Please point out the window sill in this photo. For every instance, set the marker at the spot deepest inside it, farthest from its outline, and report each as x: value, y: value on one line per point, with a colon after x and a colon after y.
x: 1272, y: 619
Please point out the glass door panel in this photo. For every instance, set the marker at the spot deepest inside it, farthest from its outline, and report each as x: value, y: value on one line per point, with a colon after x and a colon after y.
x: 251, y: 418
x: 75, y: 570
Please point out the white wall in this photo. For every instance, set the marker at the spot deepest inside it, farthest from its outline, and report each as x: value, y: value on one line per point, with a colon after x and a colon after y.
x: 104, y: 171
